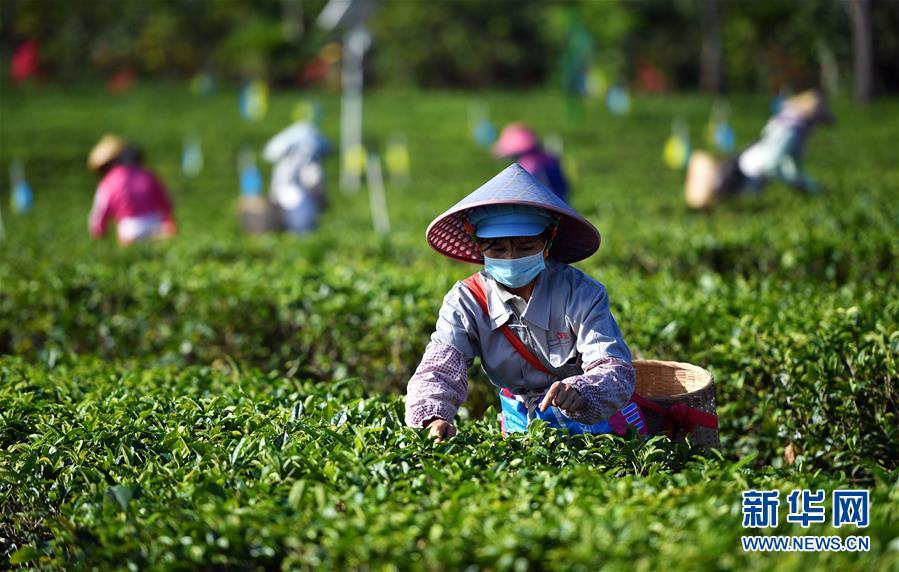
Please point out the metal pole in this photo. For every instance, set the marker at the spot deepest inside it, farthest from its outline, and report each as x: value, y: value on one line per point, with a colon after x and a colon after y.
x: 377, y: 198
x: 354, y: 45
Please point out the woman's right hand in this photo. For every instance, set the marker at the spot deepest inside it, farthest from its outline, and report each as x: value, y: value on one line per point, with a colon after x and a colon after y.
x: 440, y: 429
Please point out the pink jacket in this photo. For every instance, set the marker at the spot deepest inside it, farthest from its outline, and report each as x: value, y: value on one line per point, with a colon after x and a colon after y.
x: 128, y: 191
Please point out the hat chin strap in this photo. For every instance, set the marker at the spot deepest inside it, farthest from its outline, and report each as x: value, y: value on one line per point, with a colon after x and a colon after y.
x: 470, y: 229
x: 552, y: 237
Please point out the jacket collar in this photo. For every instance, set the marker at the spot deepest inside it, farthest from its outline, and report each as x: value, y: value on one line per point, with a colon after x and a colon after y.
x: 499, y: 303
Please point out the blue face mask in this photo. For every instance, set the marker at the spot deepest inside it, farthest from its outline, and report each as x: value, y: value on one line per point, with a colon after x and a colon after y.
x: 515, y: 272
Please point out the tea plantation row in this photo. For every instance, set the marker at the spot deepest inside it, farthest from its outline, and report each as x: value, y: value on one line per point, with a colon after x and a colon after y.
x: 805, y: 363
x: 107, y: 466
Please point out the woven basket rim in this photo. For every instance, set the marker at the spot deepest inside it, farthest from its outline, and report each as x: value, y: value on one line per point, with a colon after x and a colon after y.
x: 662, y: 387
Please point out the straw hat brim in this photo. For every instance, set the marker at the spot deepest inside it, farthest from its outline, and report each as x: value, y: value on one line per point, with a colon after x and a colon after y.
x: 106, y: 150
x: 449, y: 234
x: 577, y: 239
x: 810, y: 105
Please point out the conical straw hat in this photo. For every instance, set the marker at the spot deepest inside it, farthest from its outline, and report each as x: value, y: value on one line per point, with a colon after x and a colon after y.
x: 516, y: 139
x: 809, y: 104
x: 108, y: 148
x: 576, y: 239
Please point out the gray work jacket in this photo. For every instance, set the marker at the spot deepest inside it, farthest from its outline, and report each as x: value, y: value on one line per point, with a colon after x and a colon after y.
x: 566, y: 324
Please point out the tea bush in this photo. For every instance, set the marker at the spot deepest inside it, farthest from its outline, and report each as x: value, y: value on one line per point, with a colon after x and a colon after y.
x: 230, y: 401
x: 165, y: 467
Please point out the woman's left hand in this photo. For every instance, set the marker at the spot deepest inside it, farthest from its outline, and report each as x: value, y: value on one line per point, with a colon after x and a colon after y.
x: 562, y: 396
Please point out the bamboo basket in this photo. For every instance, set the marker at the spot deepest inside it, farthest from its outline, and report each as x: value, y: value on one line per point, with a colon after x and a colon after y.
x: 669, y: 382
x: 258, y: 215
x: 703, y: 177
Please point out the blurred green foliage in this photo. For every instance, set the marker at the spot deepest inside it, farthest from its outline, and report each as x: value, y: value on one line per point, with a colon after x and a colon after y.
x: 465, y: 43
x: 237, y: 39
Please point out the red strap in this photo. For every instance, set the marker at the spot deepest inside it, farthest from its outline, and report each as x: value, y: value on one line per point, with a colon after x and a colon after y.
x: 476, y: 284
x: 647, y: 404
x: 678, y: 415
